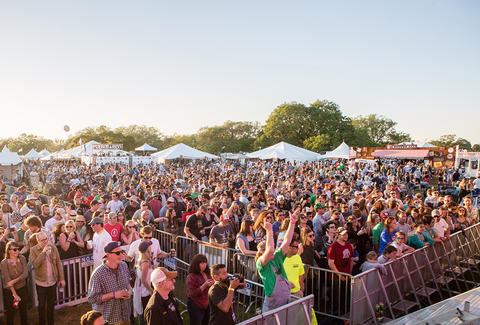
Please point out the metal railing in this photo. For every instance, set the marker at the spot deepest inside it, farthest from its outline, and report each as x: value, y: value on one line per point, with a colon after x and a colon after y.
x: 418, y: 279
x: 298, y: 311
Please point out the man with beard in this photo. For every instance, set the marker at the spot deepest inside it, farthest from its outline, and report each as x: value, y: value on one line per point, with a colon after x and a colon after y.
x: 194, y: 226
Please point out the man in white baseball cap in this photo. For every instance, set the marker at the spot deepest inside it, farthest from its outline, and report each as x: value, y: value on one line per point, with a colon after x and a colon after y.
x: 162, y: 308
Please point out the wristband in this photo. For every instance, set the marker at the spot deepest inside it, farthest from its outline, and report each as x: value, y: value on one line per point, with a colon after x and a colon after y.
x: 114, y: 295
x: 231, y: 289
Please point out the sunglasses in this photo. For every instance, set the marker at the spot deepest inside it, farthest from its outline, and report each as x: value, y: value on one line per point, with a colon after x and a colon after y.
x: 311, y: 235
x: 14, y: 249
x: 147, y: 237
x: 294, y: 246
x: 118, y: 253
x: 70, y: 227
x: 131, y: 227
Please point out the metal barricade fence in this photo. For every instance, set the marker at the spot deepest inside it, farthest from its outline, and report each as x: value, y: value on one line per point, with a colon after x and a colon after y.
x: 77, y: 272
x: 166, y: 240
x: 298, y: 311
x: 442, y: 270
x: 186, y: 248
x: 245, y: 264
x: 332, y: 291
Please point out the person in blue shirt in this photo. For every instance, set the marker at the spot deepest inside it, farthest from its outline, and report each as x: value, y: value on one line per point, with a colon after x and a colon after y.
x: 388, y: 234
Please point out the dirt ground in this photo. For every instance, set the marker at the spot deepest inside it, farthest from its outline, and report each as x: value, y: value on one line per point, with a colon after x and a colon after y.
x: 63, y: 316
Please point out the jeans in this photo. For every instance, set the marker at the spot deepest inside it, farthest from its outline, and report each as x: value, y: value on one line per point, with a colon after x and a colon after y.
x: 46, y: 299
x: 197, y: 315
x: 8, y: 304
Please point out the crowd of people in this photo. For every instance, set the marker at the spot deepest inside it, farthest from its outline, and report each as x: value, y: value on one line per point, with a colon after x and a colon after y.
x: 344, y: 216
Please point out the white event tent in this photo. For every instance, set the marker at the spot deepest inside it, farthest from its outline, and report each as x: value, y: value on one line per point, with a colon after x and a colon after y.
x: 181, y: 151
x: 283, y: 150
x: 343, y: 151
x: 10, y: 162
x: 32, y: 155
x: 44, y: 153
x: 146, y: 147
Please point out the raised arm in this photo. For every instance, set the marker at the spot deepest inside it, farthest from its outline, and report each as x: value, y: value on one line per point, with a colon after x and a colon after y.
x: 289, y: 234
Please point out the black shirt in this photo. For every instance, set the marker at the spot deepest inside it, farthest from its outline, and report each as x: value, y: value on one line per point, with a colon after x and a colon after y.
x: 162, y: 312
x: 216, y: 294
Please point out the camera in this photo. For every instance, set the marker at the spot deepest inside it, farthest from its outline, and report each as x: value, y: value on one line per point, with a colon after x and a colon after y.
x: 238, y: 276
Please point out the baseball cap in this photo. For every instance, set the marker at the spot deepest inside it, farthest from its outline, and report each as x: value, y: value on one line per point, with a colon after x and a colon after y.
x: 79, y: 218
x: 110, y: 246
x: 436, y: 213
x: 171, y: 200
x: 319, y: 205
x: 94, y: 202
x: 341, y: 231
x: 385, y: 214
x: 144, y: 246
x: 30, y: 197
x: 25, y: 210
x: 280, y: 197
x: 161, y: 274
x: 95, y: 221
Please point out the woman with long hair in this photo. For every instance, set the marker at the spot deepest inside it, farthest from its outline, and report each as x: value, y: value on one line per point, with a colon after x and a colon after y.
x: 130, y: 234
x: 387, y: 235
x: 14, y: 279
x: 460, y: 221
x: 198, y: 282
x: 70, y: 241
x: 307, y: 247
x: 258, y: 227
x: 142, y: 289
x: 246, y: 238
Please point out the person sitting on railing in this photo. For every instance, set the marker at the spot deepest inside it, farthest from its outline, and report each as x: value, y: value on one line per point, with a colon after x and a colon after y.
x: 389, y: 254
x: 270, y: 266
x: 246, y: 239
x: 198, y: 282
x: 419, y: 239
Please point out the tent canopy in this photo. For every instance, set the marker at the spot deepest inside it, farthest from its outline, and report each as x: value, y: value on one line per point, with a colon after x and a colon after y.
x: 343, y: 151
x: 8, y: 158
x: 32, y: 154
x: 182, y: 151
x: 283, y: 150
x: 44, y: 153
x: 146, y: 147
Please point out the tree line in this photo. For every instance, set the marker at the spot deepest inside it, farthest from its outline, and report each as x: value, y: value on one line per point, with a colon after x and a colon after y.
x: 320, y: 126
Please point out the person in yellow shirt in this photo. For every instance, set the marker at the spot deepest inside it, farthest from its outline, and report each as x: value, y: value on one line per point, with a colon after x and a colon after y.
x: 293, y: 266
x: 294, y: 269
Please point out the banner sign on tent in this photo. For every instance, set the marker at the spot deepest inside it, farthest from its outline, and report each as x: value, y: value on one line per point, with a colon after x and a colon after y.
x: 107, y: 146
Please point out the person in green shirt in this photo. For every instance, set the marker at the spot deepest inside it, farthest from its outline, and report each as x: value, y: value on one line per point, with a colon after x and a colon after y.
x: 270, y: 266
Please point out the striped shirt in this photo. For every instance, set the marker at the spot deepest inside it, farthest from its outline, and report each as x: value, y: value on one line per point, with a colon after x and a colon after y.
x: 104, y: 280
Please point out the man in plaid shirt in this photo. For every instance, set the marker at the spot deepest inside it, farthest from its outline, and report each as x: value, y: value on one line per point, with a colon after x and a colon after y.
x: 109, y: 287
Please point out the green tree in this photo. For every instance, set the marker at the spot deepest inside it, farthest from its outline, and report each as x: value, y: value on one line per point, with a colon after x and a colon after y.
x: 317, y: 143
x: 229, y: 137
x: 451, y: 140
x: 381, y: 130
x: 25, y: 142
x: 476, y: 147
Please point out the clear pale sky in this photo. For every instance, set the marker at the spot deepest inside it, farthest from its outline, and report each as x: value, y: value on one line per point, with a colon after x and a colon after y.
x: 180, y: 65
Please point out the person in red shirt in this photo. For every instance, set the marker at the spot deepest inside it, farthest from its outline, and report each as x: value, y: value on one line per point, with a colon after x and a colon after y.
x: 340, y: 259
x: 113, y: 227
x: 155, y: 205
